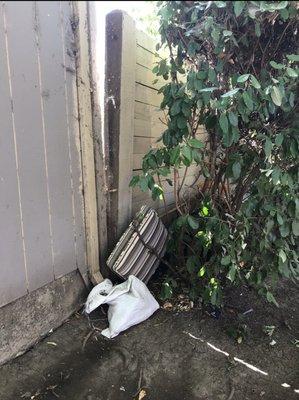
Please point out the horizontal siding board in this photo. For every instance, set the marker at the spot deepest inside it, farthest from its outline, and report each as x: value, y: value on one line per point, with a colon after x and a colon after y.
x: 147, y: 112
x: 169, y: 197
x: 143, y: 40
x: 146, y: 58
x: 140, y: 197
x: 142, y: 144
x: 148, y: 128
x: 145, y: 76
x: 147, y: 95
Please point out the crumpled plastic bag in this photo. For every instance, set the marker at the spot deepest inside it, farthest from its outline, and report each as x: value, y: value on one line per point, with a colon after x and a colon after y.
x: 129, y: 304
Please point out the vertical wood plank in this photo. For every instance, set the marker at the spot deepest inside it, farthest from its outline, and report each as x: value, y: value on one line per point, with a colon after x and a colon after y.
x: 30, y: 142
x: 75, y: 145
x: 96, y: 63
x: 56, y: 125
x: 12, y: 262
x: 87, y: 145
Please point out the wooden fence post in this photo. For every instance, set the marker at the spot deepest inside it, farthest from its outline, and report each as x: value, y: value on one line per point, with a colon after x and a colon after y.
x: 101, y: 186
x: 119, y: 119
x: 83, y: 71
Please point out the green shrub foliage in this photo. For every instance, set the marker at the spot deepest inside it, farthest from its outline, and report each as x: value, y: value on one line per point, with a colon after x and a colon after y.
x: 233, y: 68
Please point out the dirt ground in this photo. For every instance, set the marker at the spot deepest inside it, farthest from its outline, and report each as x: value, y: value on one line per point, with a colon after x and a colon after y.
x: 171, y: 356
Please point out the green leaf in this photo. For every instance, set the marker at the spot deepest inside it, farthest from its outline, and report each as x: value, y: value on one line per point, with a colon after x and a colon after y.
x: 181, y: 122
x: 269, y: 225
x: 284, y: 230
x: 248, y: 100
x: 276, y: 96
x: 281, y: 5
x: 279, y: 139
x: 295, y: 227
x: 284, y: 14
x: 197, y: 156
x: 276, y: 175
x: 192, y: 264
x: 231, y: 93
x: 291, y: 72
x: 213, y: 297
x: 211, y: 121
x: 174, y: 155
x: 243, y: 78
x: 268, y: 145
x: 236, y: 169
x: 212, y: 75
x: 157, y: 192
x: 292, y: 99
x: 166, y: 291
x: 202, y: 74
x: 238, y: 7
x: 175, y: 108
x: 164, y: 171
x: 134, y: 180
x: 282, y: 255
x: 215, y: 34
x: 227, y: 33
x: 163, y: 68
x: 192, y: 48
x: 255, y: 83
x: 197, y: 144
x: 220, y: 4
x: 257, y: 27
x: 271, y: 299
x: 233, y: 118
x: 275, y: 65
x: 232, y: 273
x: 226, y: 260
x: 208, y: 89
x: 143, y: 183
x: 201, y: 272
x: 293, y: 57
x: 187, y: 152
x: 205, y: 211
x: 279, y: 219
x: 223, y: 122
x: 193, y: 223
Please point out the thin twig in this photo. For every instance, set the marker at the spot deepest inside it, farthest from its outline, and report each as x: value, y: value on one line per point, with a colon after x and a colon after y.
x: 175, y: 181
x: 87, y: 338
x: 183, y: 180
x: 281, y: 37
x: 163, y: 197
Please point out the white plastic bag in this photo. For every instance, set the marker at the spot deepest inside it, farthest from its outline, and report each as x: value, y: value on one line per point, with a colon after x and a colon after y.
x: 129, y: 304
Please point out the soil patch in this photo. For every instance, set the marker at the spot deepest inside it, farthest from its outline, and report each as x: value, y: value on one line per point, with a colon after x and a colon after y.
x: 171, y: 356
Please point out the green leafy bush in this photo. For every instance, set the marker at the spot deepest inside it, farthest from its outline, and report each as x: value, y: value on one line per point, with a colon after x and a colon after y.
x: 233, y: 68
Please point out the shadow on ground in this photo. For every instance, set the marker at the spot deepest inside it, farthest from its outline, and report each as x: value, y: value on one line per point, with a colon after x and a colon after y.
x: 172, y: 356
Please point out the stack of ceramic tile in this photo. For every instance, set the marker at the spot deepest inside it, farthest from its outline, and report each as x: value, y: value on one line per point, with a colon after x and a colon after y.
x: 133, y: 253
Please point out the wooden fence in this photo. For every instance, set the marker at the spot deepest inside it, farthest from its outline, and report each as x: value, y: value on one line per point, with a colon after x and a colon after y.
x: 133, y: 119
x: 43, y: 228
